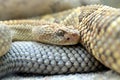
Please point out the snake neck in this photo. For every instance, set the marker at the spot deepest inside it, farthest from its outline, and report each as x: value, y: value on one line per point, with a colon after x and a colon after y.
x: 21, y: 32
x: 22, y: 29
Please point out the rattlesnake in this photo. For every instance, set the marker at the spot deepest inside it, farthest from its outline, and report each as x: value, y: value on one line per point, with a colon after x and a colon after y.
x: 97, y: 25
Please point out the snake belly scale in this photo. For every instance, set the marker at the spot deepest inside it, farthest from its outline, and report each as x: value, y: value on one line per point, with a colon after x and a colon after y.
x: 99, y: 29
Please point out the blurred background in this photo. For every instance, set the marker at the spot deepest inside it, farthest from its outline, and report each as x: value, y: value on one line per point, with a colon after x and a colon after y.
x: 113, y: 3
x: 17, y: 9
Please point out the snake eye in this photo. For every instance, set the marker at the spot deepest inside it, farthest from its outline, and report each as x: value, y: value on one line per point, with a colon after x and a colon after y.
x: 60, y: 32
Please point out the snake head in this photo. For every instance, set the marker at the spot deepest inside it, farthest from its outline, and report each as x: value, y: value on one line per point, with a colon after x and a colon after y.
x: 56, y: 34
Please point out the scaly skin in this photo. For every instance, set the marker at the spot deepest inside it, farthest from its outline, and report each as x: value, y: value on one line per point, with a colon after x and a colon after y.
x: 99, y: 30
x: 36, y: 30
x: 5, y: 39
x: 33, y: 57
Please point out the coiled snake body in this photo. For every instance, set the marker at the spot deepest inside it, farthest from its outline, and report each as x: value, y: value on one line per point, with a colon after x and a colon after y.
x: 33, y: 57
x: 96, y: 27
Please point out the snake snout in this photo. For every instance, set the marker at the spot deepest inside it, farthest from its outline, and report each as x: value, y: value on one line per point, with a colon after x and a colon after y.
x: 71, y: 39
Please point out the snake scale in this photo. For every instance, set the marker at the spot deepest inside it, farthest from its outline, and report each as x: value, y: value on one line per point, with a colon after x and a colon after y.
x: 33, y: 57
x: 98, y: 28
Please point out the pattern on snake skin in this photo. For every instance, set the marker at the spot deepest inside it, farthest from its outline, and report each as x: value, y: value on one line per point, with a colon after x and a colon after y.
x: 99, y: 32
x: 33, y: 57
x: 99, y: 28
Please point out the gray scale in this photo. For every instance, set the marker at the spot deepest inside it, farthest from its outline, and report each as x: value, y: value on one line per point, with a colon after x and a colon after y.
x: 33, y: 57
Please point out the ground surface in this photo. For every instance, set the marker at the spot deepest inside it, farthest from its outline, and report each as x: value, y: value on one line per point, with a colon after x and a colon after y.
x: 107, y: 75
